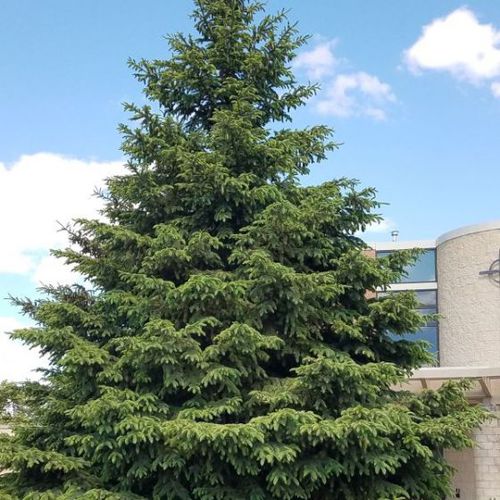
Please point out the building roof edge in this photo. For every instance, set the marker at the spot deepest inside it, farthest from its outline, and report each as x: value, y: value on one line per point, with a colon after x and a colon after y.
x: 401, y: 245
x: 471, y: 229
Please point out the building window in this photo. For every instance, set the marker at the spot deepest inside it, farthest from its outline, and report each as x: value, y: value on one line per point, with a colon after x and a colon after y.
x: 427, y: 304
x: 430, y: 335
x: 424, y: 269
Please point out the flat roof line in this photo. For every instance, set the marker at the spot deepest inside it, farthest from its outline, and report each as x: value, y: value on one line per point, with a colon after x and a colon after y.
x: 402, y: 245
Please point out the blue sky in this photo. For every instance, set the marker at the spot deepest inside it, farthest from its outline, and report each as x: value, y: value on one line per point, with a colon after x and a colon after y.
x: 411, y: 88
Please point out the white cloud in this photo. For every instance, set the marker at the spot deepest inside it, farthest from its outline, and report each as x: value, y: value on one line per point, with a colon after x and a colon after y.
x: 17, y: 361
x: 458, y: 44
x: 495, y: 89
x: 356, y: 94
x: 53, y: 271
x: 37, y: 191
x: 343, y: 94
x: 383, y: 226
x: 319, y: 61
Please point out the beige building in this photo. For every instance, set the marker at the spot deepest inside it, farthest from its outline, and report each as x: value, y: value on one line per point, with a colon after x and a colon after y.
x: 459, y: 277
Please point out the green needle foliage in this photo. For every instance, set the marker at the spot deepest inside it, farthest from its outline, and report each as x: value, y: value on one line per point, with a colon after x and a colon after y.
x: 225, y: 346
x: 17, y: 399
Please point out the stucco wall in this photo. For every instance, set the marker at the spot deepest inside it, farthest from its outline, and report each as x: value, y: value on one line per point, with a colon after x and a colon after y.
x: 469, y: 331
x: 478, y: 470
x: 464, y: 481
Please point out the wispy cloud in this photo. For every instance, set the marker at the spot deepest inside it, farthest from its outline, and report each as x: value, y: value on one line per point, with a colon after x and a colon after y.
x: 384, y: 226
x: 356, y: 94
x: 460, y: 45
x: 495, y: 89
x: 37, y: 191
x: 344, y: 94
x: 319, y: 61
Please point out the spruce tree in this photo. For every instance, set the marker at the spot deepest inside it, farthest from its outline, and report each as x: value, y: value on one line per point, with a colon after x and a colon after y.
x: 16, y: 400
x: 225, y: 344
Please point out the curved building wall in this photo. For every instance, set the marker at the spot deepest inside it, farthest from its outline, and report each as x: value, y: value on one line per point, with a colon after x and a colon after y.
x: 469, y: 303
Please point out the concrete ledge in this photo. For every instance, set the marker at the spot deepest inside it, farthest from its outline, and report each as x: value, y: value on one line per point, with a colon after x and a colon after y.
x: 4, y: 429
x: 486, y: 380
x: 456, y: 372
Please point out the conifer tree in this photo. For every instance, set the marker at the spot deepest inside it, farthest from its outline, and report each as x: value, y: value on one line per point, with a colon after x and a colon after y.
x: 224, y: 345
x: 16, y: 400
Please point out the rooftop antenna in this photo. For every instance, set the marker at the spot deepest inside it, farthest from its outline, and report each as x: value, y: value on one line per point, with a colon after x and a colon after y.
x: 395, y: 235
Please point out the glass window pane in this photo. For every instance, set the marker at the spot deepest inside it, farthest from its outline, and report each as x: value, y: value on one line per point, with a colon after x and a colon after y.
x: 423, y: 270
x: 426, y: 298
x: 430, y: 310
x: 429, y: 334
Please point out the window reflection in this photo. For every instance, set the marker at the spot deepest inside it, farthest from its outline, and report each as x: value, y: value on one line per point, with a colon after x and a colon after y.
x: 427, y: 300
x: 427, y: 333
x: 423, y: 270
